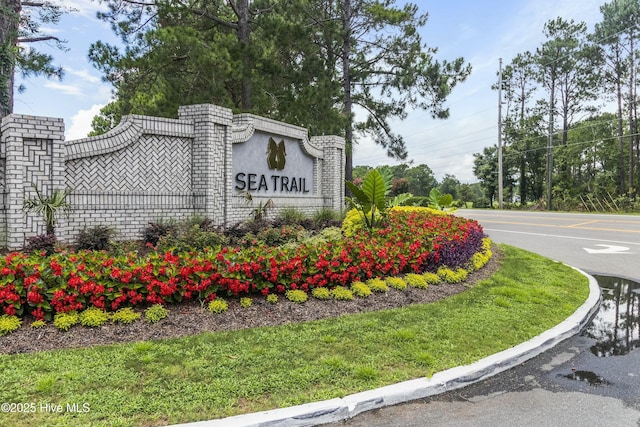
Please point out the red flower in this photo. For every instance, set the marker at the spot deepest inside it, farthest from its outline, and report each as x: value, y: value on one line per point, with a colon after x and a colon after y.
x: 38, y: 313
x: 34, y: 296
x: 55, y: 268
x: 28, y: 281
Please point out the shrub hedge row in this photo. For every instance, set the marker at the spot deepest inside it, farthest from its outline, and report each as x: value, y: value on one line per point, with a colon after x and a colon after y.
x: 414, y: 240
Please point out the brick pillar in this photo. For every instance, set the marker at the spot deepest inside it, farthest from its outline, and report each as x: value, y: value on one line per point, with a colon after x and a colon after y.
x: 332, y: 172
x: 34, y: 150
x: 211, y: 156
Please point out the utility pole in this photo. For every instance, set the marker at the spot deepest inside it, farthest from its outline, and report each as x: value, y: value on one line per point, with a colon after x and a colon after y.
x: 550, y: 141
x: 500, y: 135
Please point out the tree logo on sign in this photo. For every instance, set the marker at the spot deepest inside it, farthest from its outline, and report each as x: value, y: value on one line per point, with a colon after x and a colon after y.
x: 276, y: 154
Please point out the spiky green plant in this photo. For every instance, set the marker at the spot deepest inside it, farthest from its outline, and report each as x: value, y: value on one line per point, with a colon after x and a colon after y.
x: 377, y: 285
x: 341, y: 293
x: 218, y: 306
x: 9, y: 324
x: 321, y: 293
x: 125, y: 315
x: 360, y: 289
x: 155, y: 313
x: 396, y: 283
x: 93, y: 317
x: 297, y: 295
x: 48, y: 207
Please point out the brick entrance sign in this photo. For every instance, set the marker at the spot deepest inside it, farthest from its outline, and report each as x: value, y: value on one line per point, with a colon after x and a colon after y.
x: 207, y: 162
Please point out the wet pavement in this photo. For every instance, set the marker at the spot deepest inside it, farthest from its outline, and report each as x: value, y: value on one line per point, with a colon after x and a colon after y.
x: 590, y: 379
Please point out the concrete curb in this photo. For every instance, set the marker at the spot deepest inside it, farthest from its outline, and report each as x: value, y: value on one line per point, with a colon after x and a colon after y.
x: 343, y: 408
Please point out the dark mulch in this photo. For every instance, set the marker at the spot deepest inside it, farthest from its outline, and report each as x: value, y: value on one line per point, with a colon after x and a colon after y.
x: 190, y: 318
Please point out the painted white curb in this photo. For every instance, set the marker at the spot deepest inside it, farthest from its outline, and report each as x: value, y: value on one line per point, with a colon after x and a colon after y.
x: 340, y: 409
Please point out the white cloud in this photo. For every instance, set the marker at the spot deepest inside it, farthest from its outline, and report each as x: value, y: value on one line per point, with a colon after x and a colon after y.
x: 65, y: 89
x: 84, y: 75
x: 81, y: 122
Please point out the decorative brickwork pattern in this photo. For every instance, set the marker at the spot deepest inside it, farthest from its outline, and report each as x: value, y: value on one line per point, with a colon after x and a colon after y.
x: 151, y: 164
x: 148, y: 169
x: 38, y: 172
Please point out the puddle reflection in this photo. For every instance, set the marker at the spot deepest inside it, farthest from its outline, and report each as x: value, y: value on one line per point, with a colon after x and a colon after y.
x: 587, y: 377
x: 616, y: 327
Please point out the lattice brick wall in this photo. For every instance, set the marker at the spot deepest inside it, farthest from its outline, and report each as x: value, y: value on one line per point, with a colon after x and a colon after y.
x: 154, y: 163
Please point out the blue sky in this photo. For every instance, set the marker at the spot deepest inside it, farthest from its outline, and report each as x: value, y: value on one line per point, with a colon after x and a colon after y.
x: 480, y: 31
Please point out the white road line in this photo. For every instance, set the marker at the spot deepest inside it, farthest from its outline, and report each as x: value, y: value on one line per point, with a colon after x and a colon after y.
x: 561, y: 237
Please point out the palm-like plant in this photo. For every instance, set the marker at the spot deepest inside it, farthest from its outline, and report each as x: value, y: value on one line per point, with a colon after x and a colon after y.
x: 48, y: 207
x: 370, y: 198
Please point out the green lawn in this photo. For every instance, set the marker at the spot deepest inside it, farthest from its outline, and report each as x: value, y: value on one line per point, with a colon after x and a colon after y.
x: 215, y: 375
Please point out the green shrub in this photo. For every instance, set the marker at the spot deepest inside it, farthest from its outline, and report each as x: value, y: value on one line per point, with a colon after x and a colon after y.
x: 9, y: 324
x: 416, y: 281
x: 450, y: 276
x: 297, y: 295
x: 38, y: 324
x: 290, y: 216
x: 64, y: 321
x: 95, y: 238
x: 272, y: 299
x: 321, y: 293
x: 340, y: 293
x: 332, y: 234
x: 125, y: 315
x: 245, y: 302
x: 396, y: 283
x: 377, y: 285
x: 218, y: 306
x: 481, y: 258
x: 277, y: 236
x: 354, y: 223
x: 431, y: 278
x: 360, y: 289
x: 93, y: 317
x: 192, y: 239
x: 325, y: 216
x: 155, y: 313
x: 123, y: 247
x: 327, y: 235
x: 156, y: 230
x: 204, y: 223
x: 42, y: 242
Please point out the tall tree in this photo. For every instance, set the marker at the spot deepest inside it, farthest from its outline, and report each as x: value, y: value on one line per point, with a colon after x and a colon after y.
x: 565, y: 64
x: 617, y: 17
x: 331, y: 57
x: 449, y: 185
x: 421, y: 180
x: 485, y: 168
x: 179, y: 52
x: 20, y: 24
x: 519, y: 87
x: 259, y: 59
x: 386, y: 70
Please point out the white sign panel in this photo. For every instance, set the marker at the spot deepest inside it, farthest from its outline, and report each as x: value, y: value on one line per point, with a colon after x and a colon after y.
x: 272, y: 165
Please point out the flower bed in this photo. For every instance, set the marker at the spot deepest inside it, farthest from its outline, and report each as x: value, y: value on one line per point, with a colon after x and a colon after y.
x: 415, y: 240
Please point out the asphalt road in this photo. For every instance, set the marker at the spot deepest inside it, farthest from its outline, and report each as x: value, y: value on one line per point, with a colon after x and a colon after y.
x: 598, y: 244
x: 568, y: 385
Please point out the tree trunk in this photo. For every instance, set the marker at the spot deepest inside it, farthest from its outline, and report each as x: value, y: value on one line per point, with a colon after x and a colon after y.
x: 550, y: 139
x: 631, y: 103
x: 523, y: 159
x: 346, y: 82
x: 244, y: 35
x: 620, y: 139
x: 9, y: 19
